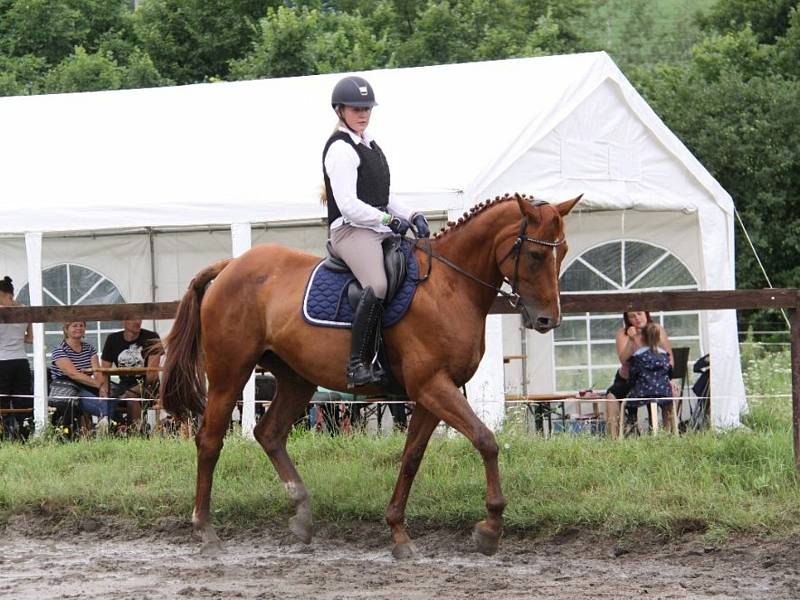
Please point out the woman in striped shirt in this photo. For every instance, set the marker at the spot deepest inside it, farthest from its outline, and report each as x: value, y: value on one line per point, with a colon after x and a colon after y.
x: 71, y: 358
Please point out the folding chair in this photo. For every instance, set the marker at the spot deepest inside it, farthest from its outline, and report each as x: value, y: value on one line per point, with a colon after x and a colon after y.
x: 680, y: 371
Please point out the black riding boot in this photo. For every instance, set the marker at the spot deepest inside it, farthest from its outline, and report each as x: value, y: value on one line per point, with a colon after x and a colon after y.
x: 361, y: 370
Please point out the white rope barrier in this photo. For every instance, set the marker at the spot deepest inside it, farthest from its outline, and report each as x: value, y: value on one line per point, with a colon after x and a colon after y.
x: 559, y: 400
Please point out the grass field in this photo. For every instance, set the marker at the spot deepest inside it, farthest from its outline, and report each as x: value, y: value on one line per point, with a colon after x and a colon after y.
x: 738, y: 481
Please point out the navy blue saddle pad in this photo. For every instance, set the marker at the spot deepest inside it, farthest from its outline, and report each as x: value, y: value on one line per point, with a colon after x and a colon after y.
x: 325, y: 301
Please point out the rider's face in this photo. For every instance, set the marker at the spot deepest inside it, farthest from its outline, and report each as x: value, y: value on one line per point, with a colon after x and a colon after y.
x: 356, y: 117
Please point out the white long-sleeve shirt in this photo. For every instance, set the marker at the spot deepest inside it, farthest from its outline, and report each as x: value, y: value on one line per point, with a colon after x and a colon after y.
x: 341, y: 165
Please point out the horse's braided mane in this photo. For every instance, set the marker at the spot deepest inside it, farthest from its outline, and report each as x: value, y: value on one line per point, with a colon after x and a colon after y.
x: 476, y: 210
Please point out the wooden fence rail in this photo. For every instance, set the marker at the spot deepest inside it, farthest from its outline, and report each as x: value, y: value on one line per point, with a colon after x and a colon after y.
x: 570, y: 303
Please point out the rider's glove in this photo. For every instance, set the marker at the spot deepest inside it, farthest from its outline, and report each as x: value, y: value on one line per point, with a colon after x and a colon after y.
x: 421, y: 225
x: 398, y: 225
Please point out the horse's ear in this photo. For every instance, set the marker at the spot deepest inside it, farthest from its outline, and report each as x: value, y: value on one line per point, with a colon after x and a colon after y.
x: 526, y: 207
x: 565, y: 207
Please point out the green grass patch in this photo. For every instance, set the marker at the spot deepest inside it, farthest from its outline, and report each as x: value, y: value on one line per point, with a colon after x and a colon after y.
x: 732, y: 482
x: 720, y: 483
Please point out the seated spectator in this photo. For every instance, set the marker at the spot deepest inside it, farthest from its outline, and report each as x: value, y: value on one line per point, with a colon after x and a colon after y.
x: 649, y: 374
x: 131, y: 347
x: 15, y: 372
x: 327, y: 410
x: 400, y: 411
x: 628, y: 340
x: 70, y: 361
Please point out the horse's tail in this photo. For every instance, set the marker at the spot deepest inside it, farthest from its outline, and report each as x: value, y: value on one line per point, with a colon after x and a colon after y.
x: 183, y: 382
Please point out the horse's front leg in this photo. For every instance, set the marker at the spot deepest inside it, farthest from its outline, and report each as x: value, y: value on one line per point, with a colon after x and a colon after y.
x: 419, y: 432
x: 442, y: 398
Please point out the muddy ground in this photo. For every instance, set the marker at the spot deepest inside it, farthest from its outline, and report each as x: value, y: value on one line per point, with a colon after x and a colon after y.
x: 109, y: 559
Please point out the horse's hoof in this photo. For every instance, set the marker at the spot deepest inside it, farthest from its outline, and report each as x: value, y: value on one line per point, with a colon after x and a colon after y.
x: 300, y: 525
x: 212, y: 548
x: 207, y: 535
x: 404, y: 551
x: 485, y: 539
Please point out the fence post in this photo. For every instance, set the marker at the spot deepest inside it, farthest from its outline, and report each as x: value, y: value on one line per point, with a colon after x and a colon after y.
x: 794, y: 335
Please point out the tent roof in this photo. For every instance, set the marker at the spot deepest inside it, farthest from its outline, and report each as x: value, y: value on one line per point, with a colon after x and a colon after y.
x: 251, y: 151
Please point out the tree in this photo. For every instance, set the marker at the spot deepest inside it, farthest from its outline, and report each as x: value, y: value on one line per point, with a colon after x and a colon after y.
x: 83, y: 71
x: 769, y: 19
x: 45, y: 28
x: 732, y: 110
x: 787, y: 48
x: 52, y: 28
x: 194, y: 40
x: 441, y: 35
x: 734, y: 52
x: 303, y: 41
x: 21, y: 75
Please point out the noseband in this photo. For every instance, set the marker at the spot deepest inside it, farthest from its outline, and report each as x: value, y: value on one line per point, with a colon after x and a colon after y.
x: 515, y: 251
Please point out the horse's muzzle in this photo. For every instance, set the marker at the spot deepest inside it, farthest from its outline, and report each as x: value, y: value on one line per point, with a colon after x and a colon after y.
x: 533, y: 319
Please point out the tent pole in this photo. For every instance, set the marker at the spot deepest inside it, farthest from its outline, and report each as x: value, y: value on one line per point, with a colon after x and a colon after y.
x: 33, y: 249
x: 153, y: 286
x: 241, y: 241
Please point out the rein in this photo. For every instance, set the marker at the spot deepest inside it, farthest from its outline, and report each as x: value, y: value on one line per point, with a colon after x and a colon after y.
x: 515, y: 251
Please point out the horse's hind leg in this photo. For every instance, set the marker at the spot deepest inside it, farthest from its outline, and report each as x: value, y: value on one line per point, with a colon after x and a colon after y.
x: 224, y: 389
x: 419, y: 432
x: 289, y: 404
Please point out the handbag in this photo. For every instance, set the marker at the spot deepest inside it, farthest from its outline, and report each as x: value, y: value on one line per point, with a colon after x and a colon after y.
x: 64, y: 393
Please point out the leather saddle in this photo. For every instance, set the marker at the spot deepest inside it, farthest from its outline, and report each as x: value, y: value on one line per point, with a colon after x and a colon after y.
x: 394, y: 262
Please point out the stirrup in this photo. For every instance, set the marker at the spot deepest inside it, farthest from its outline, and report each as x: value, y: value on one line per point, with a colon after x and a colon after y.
x: 360, y: 375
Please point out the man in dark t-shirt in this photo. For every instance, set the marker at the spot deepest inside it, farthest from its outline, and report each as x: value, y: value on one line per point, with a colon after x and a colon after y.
x: 131, y: 347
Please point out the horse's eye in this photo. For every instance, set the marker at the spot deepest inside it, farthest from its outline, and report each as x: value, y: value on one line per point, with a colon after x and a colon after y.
x: 536, y: 256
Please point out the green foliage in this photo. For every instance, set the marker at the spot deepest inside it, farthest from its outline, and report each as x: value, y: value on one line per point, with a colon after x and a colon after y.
x: 769, y: 19
x: 84, y: 72
x: 731, y: 106
x: 303, y: 41
x: 42, y: 28
x: 768, y: 381
x: 21, y: 75
x: 638, y: 33
x: 447, y: 32
x: 787, y: 48
x: 99, y: 71
x: 50, y: 29
x: 195, y: 40
x: 71, y: 46
x: 737, y: 52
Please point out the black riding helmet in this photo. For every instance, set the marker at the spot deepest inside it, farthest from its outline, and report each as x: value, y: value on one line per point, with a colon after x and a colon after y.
x: 353, y: 91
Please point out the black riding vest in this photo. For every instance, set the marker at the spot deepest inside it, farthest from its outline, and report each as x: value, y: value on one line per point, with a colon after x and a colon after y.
x: 372, y: 185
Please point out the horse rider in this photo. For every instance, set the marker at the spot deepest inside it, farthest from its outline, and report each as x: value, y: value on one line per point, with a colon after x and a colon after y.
x: 362, y: 212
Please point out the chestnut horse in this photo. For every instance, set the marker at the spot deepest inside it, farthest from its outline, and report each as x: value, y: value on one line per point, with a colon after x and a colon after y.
x: 251, y: 315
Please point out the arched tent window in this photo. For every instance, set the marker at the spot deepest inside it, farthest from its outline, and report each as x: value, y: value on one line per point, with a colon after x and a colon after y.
x: 68, y: 284
x: 585, y: 354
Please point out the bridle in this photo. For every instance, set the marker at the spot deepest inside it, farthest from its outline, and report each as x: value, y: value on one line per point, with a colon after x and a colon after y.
x: 516, y: 251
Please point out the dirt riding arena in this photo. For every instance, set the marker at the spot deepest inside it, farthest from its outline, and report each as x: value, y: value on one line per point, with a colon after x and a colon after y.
x: 95, y: 558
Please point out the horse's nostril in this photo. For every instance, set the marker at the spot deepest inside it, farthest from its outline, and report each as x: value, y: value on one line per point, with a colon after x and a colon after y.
x: 543, y: 321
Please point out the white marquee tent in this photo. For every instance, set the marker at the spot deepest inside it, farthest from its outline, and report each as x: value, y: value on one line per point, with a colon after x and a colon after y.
x: 145, y: 187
